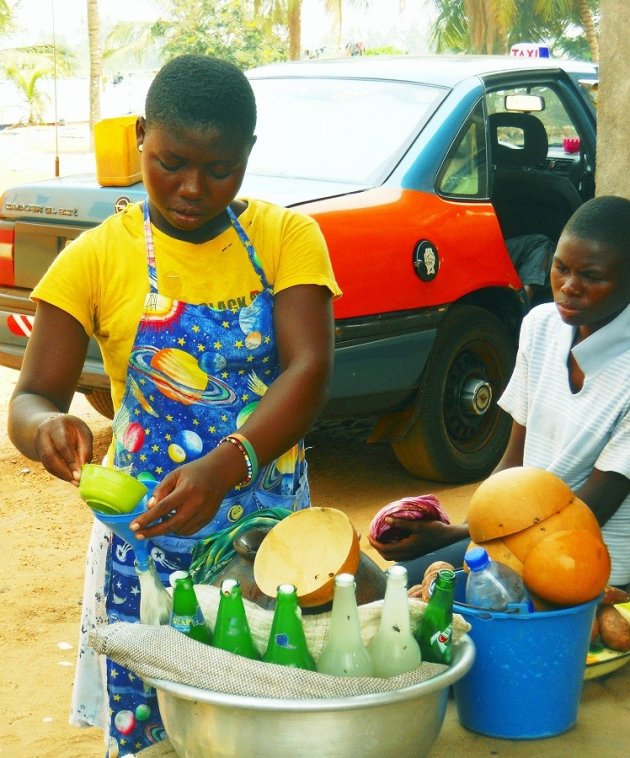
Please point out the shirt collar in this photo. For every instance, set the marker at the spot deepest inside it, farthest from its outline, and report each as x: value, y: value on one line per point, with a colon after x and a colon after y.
x: 604, y: 345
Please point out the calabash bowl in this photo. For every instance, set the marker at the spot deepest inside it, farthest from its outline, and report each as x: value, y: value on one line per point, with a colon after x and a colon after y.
x: 109, y: 491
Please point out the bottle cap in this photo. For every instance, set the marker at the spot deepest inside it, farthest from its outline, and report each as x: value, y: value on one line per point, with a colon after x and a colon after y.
x: 344, y: 580
x: 476, y: 559
x: 398, y: 573
x: 286, y: 589
x: 227, y: 585
x: 172, y: 579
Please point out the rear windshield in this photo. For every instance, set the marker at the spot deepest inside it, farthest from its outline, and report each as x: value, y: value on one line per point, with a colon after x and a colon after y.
x: 343, y: 130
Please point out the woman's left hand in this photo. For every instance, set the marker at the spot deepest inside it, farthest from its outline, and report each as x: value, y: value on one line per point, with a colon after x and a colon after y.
x: 422, y: 537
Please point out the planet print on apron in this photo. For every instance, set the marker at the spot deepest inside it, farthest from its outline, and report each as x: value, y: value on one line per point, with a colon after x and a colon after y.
x: 195, y: 374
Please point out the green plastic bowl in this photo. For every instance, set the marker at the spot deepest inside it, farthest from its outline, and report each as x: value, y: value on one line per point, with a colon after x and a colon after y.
x: 107, y: 490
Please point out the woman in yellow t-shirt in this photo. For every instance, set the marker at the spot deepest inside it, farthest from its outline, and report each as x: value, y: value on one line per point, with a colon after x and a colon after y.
x: 214, y: 318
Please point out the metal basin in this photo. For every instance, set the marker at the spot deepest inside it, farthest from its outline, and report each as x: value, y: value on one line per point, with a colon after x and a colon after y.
x: 406, y: 722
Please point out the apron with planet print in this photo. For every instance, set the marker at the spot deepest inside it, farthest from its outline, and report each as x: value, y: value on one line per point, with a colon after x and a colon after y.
x: 195, y: 374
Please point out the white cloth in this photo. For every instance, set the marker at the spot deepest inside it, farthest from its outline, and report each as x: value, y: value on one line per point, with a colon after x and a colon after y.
x: 572, y: 433
x: 89, y: 693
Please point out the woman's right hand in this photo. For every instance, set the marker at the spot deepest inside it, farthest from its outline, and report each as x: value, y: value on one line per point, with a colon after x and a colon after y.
x: 64, y: 443
x: 53, y: 362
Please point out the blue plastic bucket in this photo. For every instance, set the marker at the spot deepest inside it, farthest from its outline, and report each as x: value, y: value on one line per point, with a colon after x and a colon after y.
x: 528, y: 673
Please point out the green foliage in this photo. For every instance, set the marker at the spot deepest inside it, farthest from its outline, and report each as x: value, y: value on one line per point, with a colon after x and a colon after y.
x: 227, y: 29
x: 573, y: 47
x: 7, y: 23
x: 554, y: 22
x: 450, y: 33
x: 387, y: 50
x: 26, y: 66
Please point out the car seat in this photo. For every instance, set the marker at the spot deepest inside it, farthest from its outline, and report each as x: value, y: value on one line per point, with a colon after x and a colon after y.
x: 528, y: 197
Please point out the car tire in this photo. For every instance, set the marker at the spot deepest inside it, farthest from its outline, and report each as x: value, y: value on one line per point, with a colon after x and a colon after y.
x: 459, y: 433
x: 101, y: 401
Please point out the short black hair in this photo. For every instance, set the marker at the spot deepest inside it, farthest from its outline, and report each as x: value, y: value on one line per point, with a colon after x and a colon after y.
x: 199, y: 91
x: 605, y: 220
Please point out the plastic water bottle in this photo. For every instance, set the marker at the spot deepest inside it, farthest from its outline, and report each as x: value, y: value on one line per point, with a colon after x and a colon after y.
x: 491, y: 584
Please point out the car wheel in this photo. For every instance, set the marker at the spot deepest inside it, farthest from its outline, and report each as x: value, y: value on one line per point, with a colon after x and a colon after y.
x: 460, y: 433
x: 101, y: 401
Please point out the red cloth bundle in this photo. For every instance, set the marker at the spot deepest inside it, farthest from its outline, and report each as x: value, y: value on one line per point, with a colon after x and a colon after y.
x: 410, y: 508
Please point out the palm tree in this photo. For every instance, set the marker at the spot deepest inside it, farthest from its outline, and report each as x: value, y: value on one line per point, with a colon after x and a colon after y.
x: 492, y: 26
x: 474, y: 26
x: 96, y: 63
x: 579, y: 11
x: 286, y: 13
x: 7, y: 22
x: 26, y: 66
x: 294, y: 28
x: 489, y: 22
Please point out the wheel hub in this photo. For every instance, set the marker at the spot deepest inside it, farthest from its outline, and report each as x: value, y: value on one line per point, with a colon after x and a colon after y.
x: 476, y: 397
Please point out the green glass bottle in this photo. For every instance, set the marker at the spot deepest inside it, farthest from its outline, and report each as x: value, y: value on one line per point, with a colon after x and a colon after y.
x: 287, y: 641
x: 436, y: 625
x: 231, y: 629
x: 186, y: 615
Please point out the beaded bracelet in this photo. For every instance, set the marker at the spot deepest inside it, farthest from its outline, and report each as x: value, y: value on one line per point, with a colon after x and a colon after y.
x: 248, y: 453
x: 50, y: 418
x: 250, y: 450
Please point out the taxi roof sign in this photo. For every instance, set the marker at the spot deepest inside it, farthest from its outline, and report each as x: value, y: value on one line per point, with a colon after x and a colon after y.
x: 529, y: 50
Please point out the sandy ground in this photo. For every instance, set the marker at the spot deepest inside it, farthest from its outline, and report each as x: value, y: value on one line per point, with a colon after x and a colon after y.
x: 44, y: 528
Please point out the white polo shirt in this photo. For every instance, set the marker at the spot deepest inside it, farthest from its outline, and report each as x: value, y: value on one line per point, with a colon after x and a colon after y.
x: 572, y: 433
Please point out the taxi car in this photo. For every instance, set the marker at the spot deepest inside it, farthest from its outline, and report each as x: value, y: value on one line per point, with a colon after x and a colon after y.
x: 417, y: 170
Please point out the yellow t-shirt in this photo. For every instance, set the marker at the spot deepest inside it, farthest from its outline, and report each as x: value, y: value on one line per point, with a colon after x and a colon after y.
x: 101, y: 278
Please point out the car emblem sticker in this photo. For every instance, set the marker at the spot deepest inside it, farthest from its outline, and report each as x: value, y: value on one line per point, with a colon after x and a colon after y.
x: 425, y: 260
x: 121, y: 204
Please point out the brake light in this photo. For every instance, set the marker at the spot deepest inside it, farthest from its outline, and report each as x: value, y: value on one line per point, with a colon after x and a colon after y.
x: 7, y: 239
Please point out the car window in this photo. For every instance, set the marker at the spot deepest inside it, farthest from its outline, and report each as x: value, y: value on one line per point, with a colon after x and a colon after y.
x: 464, y: 172
x: 558, y: 124
x: 342, y: 130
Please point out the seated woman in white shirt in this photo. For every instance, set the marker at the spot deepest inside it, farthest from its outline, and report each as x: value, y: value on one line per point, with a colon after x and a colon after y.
x: 569, y: 395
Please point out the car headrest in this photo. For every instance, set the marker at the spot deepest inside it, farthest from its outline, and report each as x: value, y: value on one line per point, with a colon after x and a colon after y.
x: 532, y: 137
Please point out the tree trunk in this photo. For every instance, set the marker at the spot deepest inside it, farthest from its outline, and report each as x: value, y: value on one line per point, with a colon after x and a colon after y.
x: 294, y: 25
x: 334, y: 9
x: 96, y: 64
x: 613, y: 128
x: 589, y: 29
x: 475, y: 13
